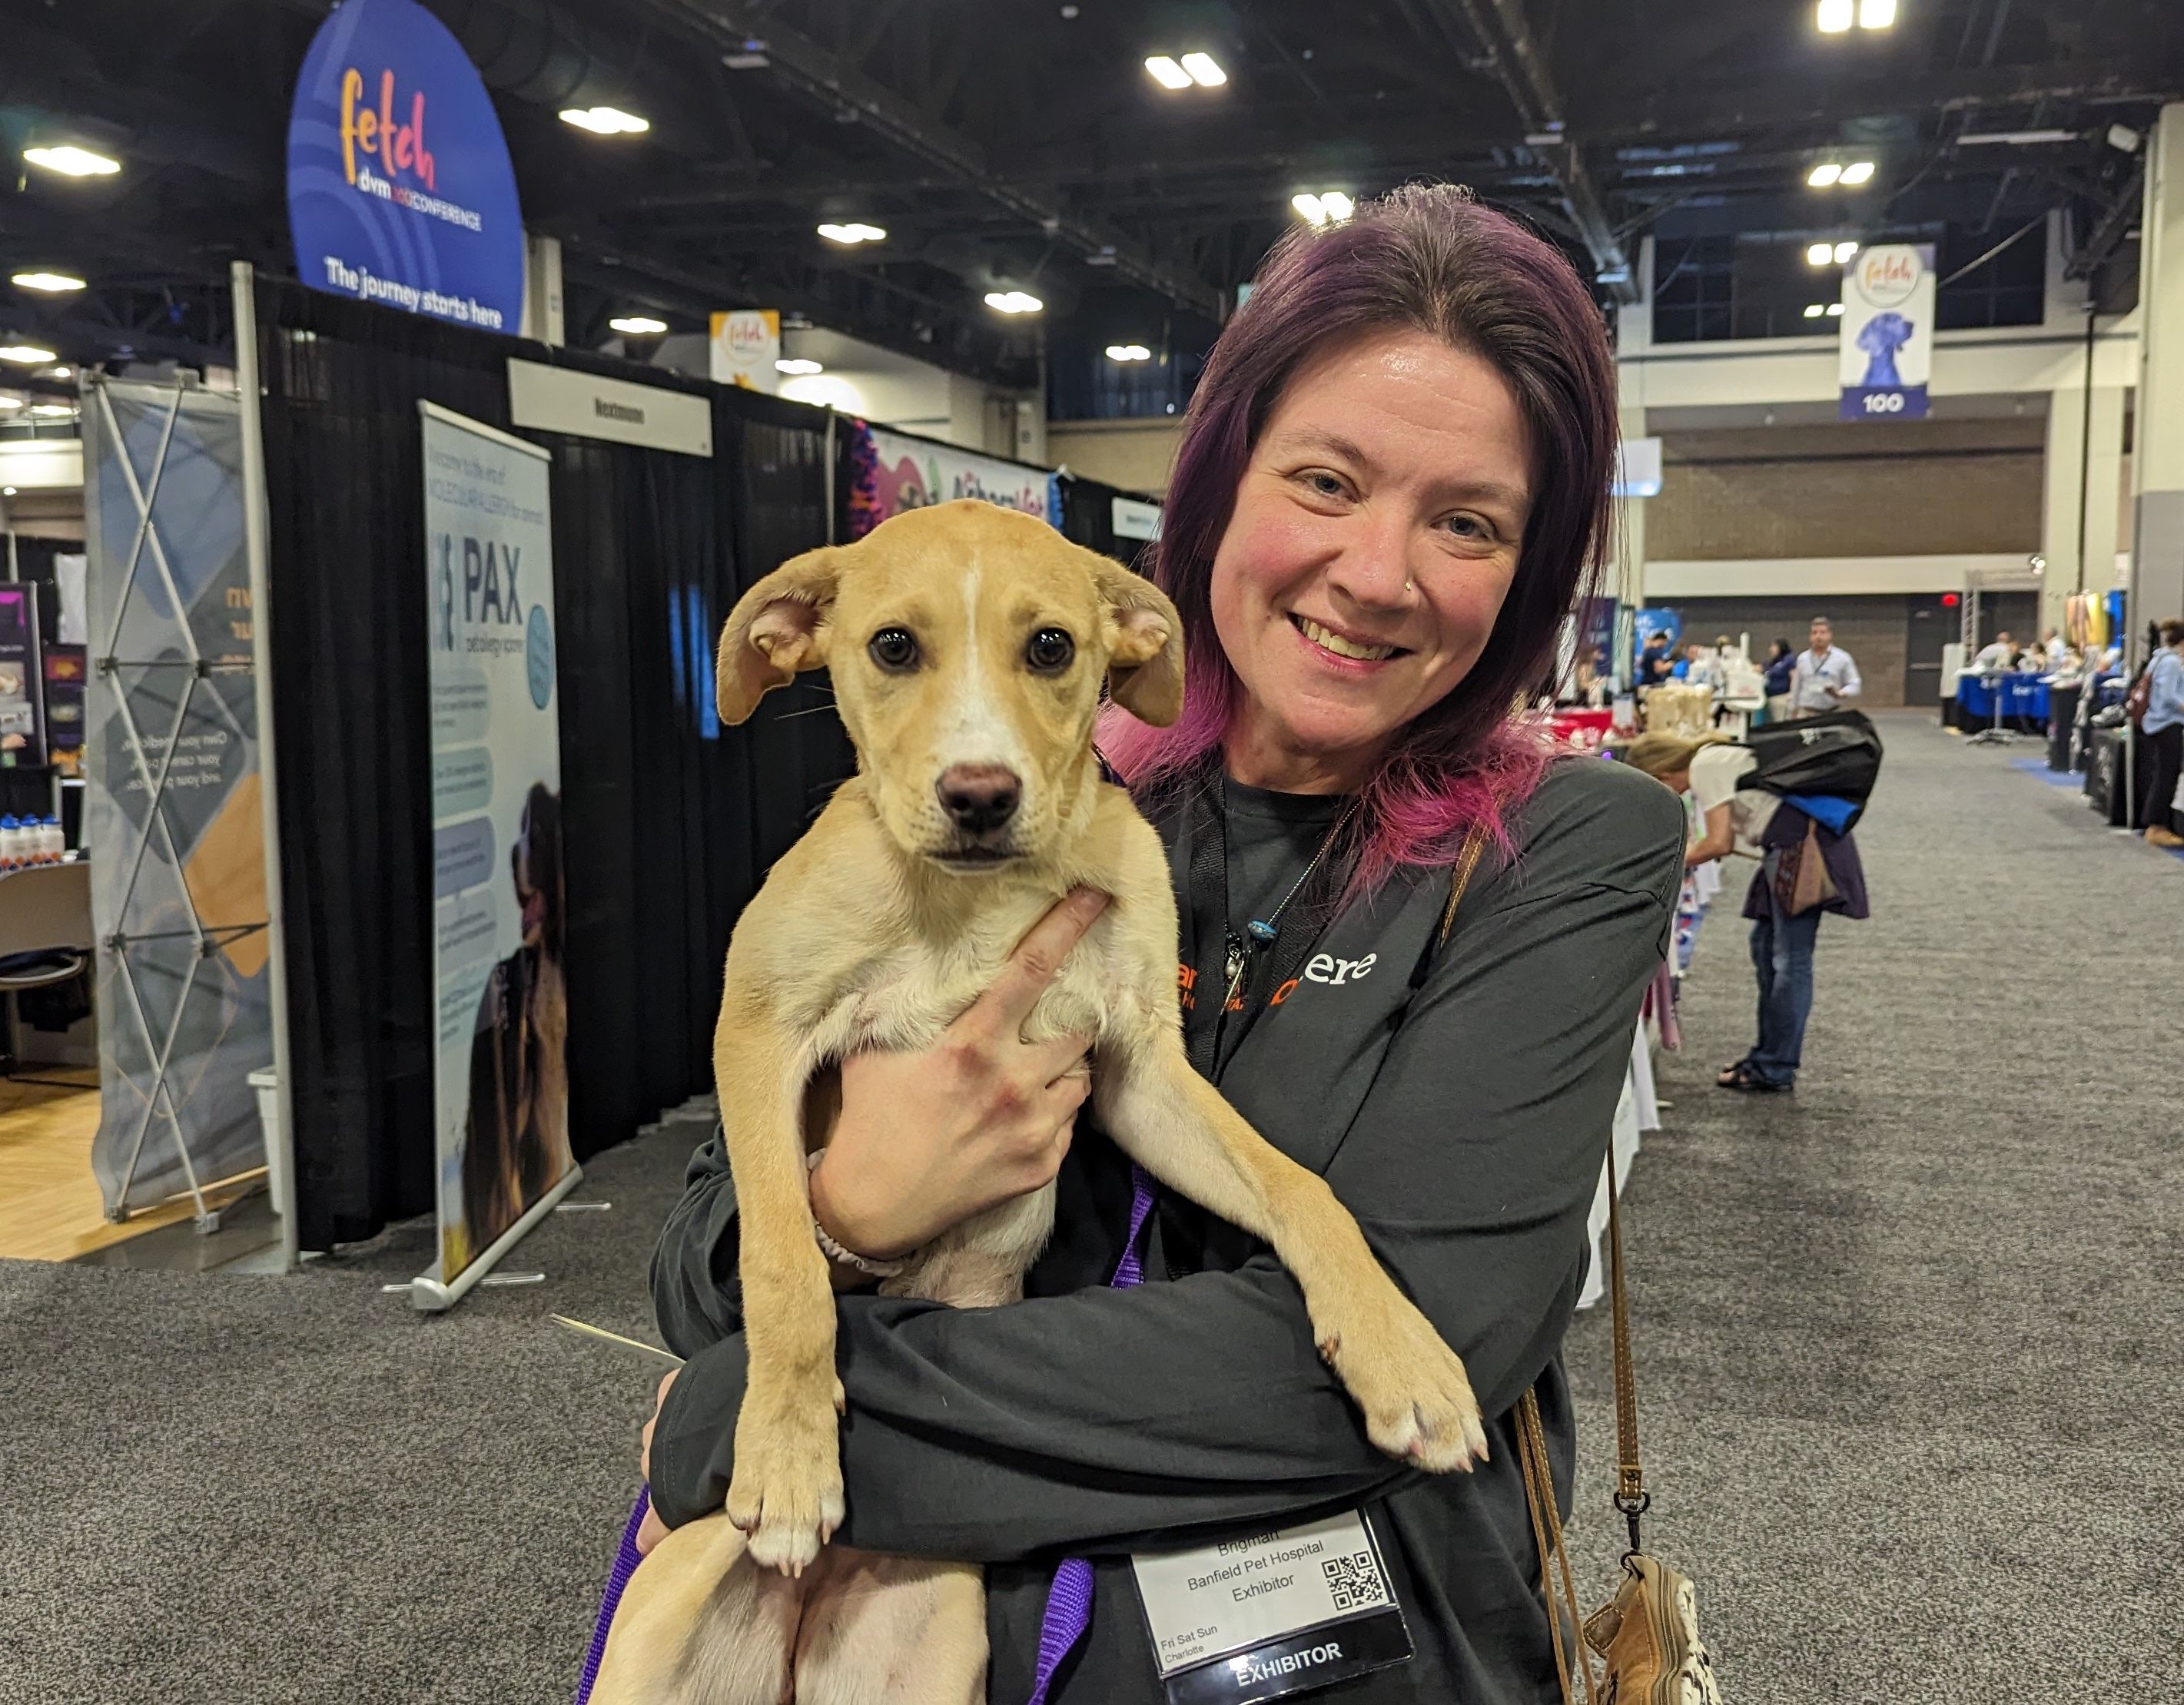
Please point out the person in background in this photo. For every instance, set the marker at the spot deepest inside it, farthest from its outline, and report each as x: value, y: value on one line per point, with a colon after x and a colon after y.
x: 1655, y: 664
x: 2055, y: 647
x: 2164, y: 729
x: 1825, y: 677
x: 1758, y: 824
x: 1782, y: 660
x: 1997, y: 654
x: 1697, y: 668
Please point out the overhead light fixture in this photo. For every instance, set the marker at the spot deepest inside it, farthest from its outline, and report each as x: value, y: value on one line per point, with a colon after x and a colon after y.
x: 1167, y: 72
x: 53, y: 281
x: 1836, y: 16
x: 1876, y: 14
x: 1204, y: 71
x: 1857, y: 172
x: 53, y: 411
x: 605, y: 121
x: 1819, y: 254
x: 2124, y: 139
x: 1835, y: 310
x: 1824, y: 174
x: 1329, y: 207
x: 2016, y: 139
x: 1013, y: 302
x: 852, y: 234
x: 71, y: 161
x: 11, y: 402
x: 1845, y: 250
x: 1128, y: 352
x: 6, y: 491
x: 638, y: 325
x: 1814, y: 310
x: 799, y: 365
x: 24, y: 354
x: 58, y: 373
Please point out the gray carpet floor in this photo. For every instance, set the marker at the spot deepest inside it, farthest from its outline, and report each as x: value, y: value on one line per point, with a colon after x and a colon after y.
x: 1908, y: 1349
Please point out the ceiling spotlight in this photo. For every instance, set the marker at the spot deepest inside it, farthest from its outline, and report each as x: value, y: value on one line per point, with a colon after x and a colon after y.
x: 852, y: 234
x: 638, y: 325
x: 1876, y: 14
x: 1128, y: 352
x: 799, y: 365
x: 71, y: 161
x: 1836, y: 16
x: 1013, y: 302
x: 605, y: 121
x: 1857, y: 172
x: 1844, y: 251
x: 6, y: 491
x: 1814, y: 310
x: 1329, y: 207
x: 1824, y: 174
x: 53, y: 411
x: 1167, y: 72
x: 24, y: 354
x: 1835, y: 310
x: 1819, y: 254
x: 55, y: 282
x: 1207, y: 74
x: 11, y: 402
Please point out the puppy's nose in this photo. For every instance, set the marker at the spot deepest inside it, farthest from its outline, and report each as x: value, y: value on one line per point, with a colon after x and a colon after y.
x: 978, y: 798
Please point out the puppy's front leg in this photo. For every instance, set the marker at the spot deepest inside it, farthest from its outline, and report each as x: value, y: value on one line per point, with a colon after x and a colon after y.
x: 1418, y: 1403
x: 786, y: 1492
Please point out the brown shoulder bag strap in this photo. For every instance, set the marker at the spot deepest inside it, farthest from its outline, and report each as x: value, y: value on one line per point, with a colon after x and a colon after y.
x: 1572, y: 1659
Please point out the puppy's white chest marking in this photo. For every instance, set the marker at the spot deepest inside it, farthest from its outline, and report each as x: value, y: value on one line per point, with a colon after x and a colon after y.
x: 915, y: 992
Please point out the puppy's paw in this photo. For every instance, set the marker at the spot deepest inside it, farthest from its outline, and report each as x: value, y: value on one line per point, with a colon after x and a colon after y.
x: 787, y: 1489
x: 1418, y: 1403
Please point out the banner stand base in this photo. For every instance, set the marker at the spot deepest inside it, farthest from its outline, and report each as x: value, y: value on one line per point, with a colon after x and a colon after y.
x: 430, y: 1295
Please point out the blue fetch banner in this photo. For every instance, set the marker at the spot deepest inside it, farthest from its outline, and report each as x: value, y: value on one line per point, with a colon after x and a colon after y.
x: 399, y: 186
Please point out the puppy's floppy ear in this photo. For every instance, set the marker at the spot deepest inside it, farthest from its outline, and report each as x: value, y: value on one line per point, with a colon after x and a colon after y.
x: 777, y: 629
x: 1145, y: 644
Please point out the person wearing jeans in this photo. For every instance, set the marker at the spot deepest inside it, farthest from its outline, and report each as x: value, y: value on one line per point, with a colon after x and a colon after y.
x: 1782, y: 954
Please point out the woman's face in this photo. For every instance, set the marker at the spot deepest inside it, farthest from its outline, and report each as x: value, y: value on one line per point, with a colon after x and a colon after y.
x: 1376, y: 532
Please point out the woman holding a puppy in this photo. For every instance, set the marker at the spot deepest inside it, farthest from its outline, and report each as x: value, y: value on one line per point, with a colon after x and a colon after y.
x: 1391, y: 491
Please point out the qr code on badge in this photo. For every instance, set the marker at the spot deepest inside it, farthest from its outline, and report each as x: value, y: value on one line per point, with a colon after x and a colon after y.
x: 1354, y: 1581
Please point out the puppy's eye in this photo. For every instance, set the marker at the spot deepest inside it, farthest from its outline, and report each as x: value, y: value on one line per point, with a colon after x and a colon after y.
x: 1049, y: 651
x: 894, y: 649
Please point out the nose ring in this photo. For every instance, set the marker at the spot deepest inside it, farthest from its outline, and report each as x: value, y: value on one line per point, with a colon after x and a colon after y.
x: 1410, y: 586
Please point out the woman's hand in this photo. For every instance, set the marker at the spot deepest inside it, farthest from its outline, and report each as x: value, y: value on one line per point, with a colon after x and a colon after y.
x: 927, y: 1140
x: 651, y: 1530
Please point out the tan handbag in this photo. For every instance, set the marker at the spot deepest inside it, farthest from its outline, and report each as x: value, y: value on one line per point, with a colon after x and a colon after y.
x: 1647, y: 1637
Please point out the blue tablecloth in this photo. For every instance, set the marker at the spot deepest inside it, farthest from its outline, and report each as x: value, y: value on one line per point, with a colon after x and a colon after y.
x: 2024, y: 697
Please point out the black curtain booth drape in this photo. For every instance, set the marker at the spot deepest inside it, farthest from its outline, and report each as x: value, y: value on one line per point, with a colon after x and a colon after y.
x: 670, y: 821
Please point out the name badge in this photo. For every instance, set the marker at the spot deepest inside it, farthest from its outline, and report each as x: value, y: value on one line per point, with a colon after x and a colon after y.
x: 1271, y: 1614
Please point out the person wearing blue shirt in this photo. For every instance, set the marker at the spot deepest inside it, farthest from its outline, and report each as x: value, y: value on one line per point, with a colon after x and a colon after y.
x: 2164, y: 729
x: 1781, y: 663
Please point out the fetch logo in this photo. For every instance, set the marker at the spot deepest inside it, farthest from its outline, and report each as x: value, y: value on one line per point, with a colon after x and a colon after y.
x: 400, y: 148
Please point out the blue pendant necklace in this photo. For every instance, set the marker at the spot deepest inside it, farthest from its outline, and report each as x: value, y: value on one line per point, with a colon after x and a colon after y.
x: 1264, y: 932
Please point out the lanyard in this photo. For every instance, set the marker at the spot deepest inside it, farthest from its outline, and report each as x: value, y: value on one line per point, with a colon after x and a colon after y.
x: 1214, y: 1026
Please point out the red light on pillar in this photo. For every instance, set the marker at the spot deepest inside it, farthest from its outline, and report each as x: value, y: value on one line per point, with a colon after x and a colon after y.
x: 1948, y: 600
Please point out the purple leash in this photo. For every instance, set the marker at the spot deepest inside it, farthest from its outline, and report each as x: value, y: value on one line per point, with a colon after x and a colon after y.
x: 1069, y: 1599
x: 625, y: 1565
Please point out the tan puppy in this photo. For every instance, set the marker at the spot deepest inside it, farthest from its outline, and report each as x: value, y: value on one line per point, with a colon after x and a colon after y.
x: 968, y: 644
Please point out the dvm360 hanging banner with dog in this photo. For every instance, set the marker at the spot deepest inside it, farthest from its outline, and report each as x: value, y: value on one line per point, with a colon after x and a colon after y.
x: 498, y: 901
x: 400, y: 189
x: 1886, y: 354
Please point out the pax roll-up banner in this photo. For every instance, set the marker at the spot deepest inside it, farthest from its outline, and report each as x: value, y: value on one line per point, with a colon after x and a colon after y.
x: 1886, y: 349
x: 913, y: 473
x: 400, y: 189
x: 499, y: 898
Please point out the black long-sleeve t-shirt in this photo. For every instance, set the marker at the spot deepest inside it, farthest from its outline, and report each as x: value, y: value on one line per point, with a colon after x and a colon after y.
x: 1464, y: 1124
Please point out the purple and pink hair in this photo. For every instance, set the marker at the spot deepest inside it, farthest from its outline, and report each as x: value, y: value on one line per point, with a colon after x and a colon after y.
x: 1426, y: 257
